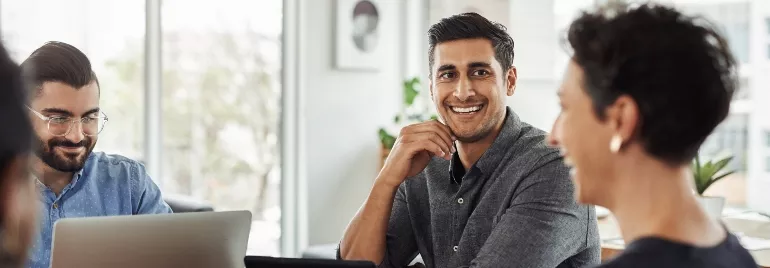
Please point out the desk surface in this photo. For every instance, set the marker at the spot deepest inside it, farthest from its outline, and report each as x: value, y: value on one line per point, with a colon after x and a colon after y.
x: 608, y: 229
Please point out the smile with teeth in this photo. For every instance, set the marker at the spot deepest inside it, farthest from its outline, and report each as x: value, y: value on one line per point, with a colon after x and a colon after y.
x: 466, y: 110
x: 571, y: 165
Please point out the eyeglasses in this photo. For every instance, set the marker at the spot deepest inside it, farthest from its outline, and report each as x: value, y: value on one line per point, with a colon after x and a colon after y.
x: 61, y: 125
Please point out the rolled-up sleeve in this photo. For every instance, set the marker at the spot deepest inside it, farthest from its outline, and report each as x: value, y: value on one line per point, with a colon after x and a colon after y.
x: 543, y: 226
x: 146, y: 196
x: 401, y: 247
x: 401, y: 244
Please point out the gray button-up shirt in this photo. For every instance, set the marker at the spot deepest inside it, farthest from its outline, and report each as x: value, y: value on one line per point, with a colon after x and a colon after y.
x: 513, y: 208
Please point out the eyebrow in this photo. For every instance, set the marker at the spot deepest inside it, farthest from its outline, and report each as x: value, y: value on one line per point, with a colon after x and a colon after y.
x: 67, y: 113
x: 479, y: 64
x: 446, y: 67
x: 475, y: 64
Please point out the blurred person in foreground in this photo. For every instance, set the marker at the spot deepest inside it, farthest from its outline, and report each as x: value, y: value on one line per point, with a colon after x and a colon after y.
x: 18, y: 200
x: 479, y: 188
x: 646, y: 85
x: 73, y: 181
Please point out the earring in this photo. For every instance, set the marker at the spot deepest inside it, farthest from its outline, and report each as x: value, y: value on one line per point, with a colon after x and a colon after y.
x: 615, y: 143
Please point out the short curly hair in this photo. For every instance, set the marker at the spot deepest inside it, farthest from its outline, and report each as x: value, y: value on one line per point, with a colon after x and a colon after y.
x: 677, y: 68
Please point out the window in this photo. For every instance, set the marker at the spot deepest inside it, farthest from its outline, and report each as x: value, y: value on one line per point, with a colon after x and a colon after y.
x: 221, y: 91
x: 767, y: 24
x: 767, y: 139
x: 733, y: 20
x: 743, y: 92
x: 729, y: 137
x: 111, y: 34
x: 221, y: 95
x: 767, y: 164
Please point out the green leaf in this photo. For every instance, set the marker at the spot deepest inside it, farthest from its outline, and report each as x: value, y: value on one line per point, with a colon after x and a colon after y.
x: 386, y: 139
x: 434, y: 117
x: 722, y: 164
x: 704, y: 175
x: 411, y: 90
x: 696, y: 168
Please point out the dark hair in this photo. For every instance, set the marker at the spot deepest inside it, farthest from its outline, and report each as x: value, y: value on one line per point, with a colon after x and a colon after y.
x: 677, y: 68
x: 58, y: 62
x: 16, y: 131
x: 468, y: 26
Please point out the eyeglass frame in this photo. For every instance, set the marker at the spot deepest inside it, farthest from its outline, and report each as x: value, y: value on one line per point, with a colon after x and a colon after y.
x: 48, y: 119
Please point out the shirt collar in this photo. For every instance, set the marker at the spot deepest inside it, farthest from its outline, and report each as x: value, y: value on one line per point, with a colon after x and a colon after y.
x: 504, y: 141
x: 456, y: 169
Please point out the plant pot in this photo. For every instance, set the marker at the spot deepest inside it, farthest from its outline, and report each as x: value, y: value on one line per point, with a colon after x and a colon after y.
x: 713, y: 205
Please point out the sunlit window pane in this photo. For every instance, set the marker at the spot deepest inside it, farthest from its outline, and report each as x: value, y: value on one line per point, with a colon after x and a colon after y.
x: 221, y: 90
x: 111, y: 34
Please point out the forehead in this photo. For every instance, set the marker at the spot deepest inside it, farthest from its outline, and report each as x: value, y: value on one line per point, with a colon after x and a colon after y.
x: 572, y: 83
x: 66, y: 97
x: 463, y: 51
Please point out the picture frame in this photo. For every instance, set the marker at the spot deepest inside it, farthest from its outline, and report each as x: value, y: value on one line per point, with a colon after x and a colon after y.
x: 358, y: 38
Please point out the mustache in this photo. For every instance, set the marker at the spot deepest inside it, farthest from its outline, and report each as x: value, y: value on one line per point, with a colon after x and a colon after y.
x: 67, y: 143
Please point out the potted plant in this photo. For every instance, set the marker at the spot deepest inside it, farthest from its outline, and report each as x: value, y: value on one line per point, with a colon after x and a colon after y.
x: 411, y: 113
x: 706, y: 174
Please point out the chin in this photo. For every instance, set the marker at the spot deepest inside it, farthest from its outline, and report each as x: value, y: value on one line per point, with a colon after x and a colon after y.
x: 473, y: 130
x: 583, y: 192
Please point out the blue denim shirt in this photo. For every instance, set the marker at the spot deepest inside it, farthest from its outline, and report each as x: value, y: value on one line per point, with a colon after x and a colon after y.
x: 107, y: 185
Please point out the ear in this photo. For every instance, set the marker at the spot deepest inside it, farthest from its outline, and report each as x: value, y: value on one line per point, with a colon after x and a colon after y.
x: 623, y: 116
x: 511, y: 81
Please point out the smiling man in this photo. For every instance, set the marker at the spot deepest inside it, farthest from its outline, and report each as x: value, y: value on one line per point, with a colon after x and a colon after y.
x: 73, y: 181
x: 480, y: 188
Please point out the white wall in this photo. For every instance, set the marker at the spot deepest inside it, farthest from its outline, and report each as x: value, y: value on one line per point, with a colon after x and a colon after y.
x: 338, y: 116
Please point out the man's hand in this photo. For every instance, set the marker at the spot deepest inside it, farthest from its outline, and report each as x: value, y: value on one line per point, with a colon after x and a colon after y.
x: 365, y: 237
x: 414, y: 147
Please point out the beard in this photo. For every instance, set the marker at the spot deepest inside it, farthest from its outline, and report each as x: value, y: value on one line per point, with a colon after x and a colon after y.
x: 479, y: 132
x: 477, y: 136
x: 63, y: 161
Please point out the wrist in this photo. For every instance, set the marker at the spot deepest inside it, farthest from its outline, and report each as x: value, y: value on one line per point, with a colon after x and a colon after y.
x: 387, y: 181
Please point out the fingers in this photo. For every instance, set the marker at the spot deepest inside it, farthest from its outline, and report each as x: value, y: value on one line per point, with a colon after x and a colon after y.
x: 432, y: 126
x: 435, y: 138
x: 428, y: 145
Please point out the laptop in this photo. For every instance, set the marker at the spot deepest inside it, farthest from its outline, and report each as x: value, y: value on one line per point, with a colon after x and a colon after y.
x: 194, y: 240
x: 260, y: 261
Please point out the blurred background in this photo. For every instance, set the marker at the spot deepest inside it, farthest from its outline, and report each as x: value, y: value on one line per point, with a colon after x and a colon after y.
x: 284, y: 107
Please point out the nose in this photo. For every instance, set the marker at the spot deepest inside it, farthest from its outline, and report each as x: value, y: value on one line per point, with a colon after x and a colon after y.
x: 464, y: 89
x: 76, y: 132
x: 552, y: 138
x: 551, y: 141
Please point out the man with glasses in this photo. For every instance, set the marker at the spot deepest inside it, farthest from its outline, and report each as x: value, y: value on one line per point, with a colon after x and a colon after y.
x: 73, y: 181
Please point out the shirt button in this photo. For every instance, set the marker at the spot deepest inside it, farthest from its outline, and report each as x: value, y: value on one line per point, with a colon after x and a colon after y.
x: 55, y: 205
x: 455, y: 248
x: 460, y: 200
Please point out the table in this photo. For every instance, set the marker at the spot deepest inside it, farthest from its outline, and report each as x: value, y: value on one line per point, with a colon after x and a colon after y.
x: 608, y: 229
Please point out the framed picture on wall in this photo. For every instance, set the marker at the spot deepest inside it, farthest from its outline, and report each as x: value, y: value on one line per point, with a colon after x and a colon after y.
x: 358, y: 40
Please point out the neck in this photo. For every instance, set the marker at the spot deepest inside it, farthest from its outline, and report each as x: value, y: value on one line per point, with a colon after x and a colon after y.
x: 53, y: 179
x: 651, y: 199
x: 470, y: 152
